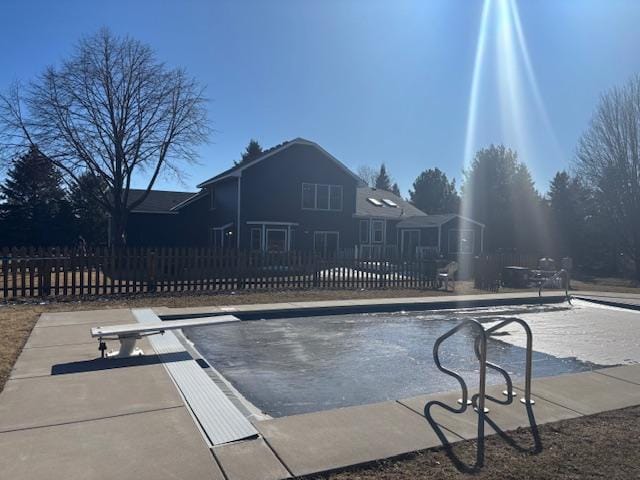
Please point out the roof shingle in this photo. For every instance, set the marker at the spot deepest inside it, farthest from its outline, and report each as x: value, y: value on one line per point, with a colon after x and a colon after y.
x: 158, y: 201
x: 364, y: 208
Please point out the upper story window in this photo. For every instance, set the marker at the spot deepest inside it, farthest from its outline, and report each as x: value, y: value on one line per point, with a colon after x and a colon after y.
x: 317, y: 196
x: 212, y: 195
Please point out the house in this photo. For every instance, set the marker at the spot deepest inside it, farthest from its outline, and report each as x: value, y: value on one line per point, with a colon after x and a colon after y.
x: 297, y: 196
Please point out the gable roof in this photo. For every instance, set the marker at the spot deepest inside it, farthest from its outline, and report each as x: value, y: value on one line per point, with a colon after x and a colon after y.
x: 364, y: 208
x: 158, y: 201
x: 423, y: 221
x: 236, y: 170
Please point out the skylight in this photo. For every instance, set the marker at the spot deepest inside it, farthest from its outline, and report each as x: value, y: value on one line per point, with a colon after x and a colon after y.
x: 375, y: 201
x: 390, y: 203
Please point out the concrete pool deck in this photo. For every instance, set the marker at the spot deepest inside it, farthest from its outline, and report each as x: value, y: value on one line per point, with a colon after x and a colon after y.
x: 66, y: 414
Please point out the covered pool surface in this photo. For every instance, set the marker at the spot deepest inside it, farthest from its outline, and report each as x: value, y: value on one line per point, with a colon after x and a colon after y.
x: 301, y: 365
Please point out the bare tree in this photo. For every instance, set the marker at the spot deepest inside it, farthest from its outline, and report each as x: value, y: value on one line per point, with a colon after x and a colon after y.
x: 111, y: 110
x: 368, y: 174
x: 608, y: 159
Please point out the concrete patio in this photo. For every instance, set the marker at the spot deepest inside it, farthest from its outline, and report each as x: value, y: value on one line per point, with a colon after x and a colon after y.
x: 65, y: 413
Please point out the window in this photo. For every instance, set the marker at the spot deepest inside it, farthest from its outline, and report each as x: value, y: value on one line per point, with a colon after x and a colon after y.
x: 212, y: 196
x: 256, y: 239
x: 375, y: 201
x: 335, y: 197
x: 325, y: 243
x: 364, y: 231
x: 377, y: 227
x: 321, y: 197
x: 276, y: 240
x: 390, y: 203
x: 308, y: 196
x: 461, y: 241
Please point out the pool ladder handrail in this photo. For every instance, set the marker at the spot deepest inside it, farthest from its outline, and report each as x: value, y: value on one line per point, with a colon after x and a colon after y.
x: 553, y: 277
x: 480, y: 349
x: 478, y: 400
x: 528, y: 362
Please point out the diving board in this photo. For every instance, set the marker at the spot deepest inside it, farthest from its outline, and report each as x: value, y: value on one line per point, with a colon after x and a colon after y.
x: 220, y: 421
x: 128, y: 334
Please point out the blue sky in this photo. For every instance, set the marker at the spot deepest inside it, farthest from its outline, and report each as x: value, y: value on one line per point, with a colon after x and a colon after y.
x: 370, y: 81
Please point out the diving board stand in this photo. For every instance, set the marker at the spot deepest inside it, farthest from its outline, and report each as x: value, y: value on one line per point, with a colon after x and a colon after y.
x: 130, y: 333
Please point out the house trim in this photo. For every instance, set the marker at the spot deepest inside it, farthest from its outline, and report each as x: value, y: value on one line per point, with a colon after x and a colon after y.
x: 261, y: 222
x: 297, y: 141
x: 154, y: 212
x: 193, y: 198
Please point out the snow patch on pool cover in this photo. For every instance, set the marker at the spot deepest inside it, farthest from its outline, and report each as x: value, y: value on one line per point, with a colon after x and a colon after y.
x: 587, y: 331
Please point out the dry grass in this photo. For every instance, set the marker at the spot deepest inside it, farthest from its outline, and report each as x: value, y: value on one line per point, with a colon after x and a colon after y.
x: 616, y: 285
x: 606, y: 445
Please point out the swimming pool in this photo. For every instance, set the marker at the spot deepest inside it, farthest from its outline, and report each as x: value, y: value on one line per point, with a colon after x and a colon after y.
x: 307, y: 364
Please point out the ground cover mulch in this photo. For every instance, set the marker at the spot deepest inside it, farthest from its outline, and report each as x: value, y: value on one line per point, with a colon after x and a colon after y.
x: 603, y: 446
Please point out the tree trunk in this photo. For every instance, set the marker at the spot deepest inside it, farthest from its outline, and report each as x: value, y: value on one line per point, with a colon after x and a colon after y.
x: 118, y: 230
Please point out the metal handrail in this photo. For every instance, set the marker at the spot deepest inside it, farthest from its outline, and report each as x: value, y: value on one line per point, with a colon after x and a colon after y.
x: 478, y: 399
x: 566, y: 283
x: 504, y: 373
x: 529, y: 359
x: 480, y: 349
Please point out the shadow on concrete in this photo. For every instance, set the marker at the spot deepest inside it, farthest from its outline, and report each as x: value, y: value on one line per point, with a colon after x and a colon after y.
x: 111, y: 363
x: 459, y: 463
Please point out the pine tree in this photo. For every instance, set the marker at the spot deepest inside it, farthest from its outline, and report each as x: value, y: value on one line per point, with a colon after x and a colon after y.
x: 433, y: 193
x: 91, y: 219
x: 252, y: 151
x: 499, y: 192
x: 395, y: 189
x: 35, y: 209
x: 383, y: 181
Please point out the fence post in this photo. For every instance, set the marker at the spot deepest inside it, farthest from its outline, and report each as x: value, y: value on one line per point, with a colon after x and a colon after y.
x: 45, y: 279
x: 151, y: 270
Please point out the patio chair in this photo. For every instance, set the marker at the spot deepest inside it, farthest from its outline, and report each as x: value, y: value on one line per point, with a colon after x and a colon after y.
x: 447, y: 274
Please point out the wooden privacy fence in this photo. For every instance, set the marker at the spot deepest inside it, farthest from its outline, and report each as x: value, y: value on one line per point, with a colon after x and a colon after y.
x: 63, y: 272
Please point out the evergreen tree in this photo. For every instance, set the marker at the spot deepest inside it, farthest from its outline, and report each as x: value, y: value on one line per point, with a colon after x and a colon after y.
x: 383, y: 181
x: 433, y: 193
x: 35, y: 210
x: 499, y: 192
x: 91, y: 219
x: 396, y: 189
x: 252, y: 151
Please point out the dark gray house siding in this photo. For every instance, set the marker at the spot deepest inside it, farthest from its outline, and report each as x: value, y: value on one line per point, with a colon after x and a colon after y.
x: 297, y: 196
x: 451, y: 234
x: 153, y: 229
x: 271, y: 197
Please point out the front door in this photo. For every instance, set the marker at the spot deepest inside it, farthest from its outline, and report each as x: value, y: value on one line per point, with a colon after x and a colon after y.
x: 410, y: 240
